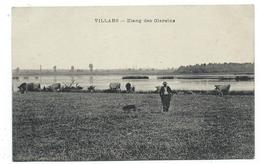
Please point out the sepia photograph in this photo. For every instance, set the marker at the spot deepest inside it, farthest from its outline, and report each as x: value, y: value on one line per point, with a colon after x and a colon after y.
x: 124, y: 83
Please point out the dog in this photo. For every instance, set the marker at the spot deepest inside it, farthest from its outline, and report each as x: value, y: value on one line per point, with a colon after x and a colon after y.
x: 129, y: 108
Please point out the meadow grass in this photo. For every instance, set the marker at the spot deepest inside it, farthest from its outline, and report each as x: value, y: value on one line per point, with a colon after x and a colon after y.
x: 93, y: 126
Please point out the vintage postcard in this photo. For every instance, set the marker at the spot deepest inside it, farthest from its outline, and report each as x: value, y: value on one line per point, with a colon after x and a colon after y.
x: 133, y: 83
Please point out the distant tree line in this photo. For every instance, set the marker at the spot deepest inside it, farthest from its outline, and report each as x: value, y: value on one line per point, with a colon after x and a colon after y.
x: 217, y: 68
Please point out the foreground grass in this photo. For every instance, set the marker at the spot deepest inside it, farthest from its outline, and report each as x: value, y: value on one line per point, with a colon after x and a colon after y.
x: 84, y: 126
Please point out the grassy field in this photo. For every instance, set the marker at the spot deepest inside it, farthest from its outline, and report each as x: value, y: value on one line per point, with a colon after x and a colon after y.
x: 85, y: 126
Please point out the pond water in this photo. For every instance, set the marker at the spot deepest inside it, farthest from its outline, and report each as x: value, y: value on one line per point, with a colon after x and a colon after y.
x: 103, y: 81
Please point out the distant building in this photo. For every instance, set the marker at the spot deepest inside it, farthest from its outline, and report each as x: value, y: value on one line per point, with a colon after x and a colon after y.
x: 55, y: 68
x: 90, y: 67
x: 72, y: 68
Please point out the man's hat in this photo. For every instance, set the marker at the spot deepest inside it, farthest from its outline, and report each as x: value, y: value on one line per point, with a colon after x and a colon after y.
x: 164, y: 82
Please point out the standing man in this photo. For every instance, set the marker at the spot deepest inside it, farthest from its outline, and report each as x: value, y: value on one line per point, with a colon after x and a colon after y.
x: 165, y: 94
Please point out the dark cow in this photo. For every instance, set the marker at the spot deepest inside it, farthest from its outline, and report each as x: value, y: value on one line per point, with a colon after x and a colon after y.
x: 26, y: 87
x: 128, y: 87
x: 91, y: 88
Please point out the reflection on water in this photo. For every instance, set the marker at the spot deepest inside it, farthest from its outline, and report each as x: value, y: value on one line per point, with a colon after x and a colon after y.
x: 55, y: 79
x: 72, y: 79
x: 102, y: 82
x: 91, y: 80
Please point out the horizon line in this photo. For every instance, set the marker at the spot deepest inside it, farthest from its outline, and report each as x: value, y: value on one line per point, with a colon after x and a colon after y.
x: 131, y: 68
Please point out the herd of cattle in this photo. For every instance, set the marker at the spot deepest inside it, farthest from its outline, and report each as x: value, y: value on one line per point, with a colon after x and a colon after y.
x: 58, y: 87
x: 113, y: 87
x: 36, y: 87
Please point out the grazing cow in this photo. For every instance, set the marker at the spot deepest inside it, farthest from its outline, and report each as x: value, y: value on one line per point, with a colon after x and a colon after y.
x: 25, y: 87
x: 55, y: 87
x: 158, y: 88
x: 91, y: 88
x: 114, y: 86
x: 222, y: 89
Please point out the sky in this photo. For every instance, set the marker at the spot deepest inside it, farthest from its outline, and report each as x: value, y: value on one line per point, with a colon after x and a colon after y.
x: 66, y: 36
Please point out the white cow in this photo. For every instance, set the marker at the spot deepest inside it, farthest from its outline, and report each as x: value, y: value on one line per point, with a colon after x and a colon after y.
x: 222, y: 89
x: 114, y: 86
